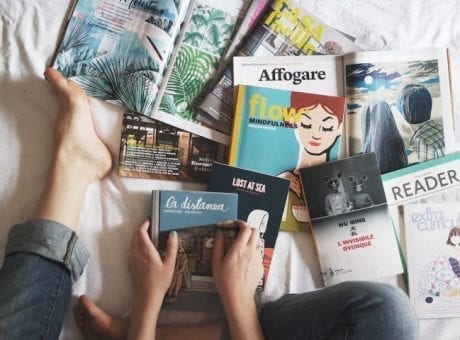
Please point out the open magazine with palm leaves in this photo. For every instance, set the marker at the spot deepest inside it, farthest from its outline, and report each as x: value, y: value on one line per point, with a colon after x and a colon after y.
x: 124, y: 51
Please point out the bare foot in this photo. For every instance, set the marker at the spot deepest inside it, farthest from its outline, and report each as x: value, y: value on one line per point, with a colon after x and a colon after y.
x: 75, y: 135
x: 97, y: 324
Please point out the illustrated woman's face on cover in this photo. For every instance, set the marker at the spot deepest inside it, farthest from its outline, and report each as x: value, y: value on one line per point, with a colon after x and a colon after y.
x: 318, y: 130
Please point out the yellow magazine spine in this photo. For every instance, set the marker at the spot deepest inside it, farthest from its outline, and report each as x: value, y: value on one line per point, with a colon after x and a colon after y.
x: 237, y: 121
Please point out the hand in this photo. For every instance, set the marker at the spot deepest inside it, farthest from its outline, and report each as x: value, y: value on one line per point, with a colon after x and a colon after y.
x: 151, y: 274
x: 236, y: 276
x: 294, y: 184
x: 238, y: 272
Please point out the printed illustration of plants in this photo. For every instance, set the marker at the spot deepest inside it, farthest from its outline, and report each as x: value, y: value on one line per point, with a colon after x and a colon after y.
x: 210, y: 29
x: 204, y: 43
x: 188, y: 78
x: 128, y: 76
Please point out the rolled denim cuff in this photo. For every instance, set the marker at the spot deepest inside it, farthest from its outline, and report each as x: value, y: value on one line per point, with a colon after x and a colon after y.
x: 51, y: 240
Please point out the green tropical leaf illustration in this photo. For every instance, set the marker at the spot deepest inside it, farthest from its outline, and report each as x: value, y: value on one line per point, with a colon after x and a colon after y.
x: 190, y: 74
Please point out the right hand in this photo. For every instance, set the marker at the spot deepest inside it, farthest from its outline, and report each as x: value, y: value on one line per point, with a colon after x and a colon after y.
x: 238, y: 272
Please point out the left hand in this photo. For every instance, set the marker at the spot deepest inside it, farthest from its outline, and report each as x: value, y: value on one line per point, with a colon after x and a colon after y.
x: 151, y: 274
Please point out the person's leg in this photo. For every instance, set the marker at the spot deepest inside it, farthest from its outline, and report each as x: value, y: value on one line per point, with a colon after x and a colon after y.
x: 96, y: 324
x: 43, y: 255
x: 351, y: 310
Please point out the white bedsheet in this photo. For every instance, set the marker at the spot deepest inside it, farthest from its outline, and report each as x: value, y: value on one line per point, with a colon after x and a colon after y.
x: 115, y: 206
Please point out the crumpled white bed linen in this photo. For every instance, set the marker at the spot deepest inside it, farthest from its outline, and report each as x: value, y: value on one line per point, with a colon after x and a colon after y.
x: 114, y: 207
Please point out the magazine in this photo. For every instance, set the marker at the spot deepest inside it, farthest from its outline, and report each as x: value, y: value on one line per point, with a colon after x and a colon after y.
x: 261, y: 200
x: 350, y: 220
x: 123, y: 52
x: 398, y: 102
x: 437, y: 180
x: 277, y: 132
x: 284, y: 29
x: 206, y: 39
x: 195, y: 216
x: 323, y: 75
x: 152, y: 149
x: 433, y: 258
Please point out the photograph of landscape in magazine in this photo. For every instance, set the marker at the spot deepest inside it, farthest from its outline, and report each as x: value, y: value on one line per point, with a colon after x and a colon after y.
x: 399, y: 106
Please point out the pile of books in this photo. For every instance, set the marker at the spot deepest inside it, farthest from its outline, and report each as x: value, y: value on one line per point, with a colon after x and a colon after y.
x: 267, y: 88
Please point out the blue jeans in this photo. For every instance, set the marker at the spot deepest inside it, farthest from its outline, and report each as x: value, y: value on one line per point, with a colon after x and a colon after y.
x: 350, y: 310
x: 41, y: 259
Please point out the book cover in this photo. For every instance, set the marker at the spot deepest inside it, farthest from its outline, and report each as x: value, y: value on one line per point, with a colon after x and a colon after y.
x: 351, y: 224
x: 433, y: 258
x: 284, y: 29
x: 277, y: 132
x: 195, y: 216
x: 437, y: 180
x: 261, y: 200
x: 152, y: 149
x: 399, y: 106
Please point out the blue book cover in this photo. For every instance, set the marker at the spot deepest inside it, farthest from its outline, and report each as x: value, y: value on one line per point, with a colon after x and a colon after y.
x: 261, y: 200
x: 195, y: 216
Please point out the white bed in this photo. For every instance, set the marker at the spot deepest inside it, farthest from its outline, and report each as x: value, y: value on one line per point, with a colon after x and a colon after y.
x: 115, y: 206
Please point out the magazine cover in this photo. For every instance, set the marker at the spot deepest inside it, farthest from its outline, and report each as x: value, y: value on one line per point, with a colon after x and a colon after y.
x: 119, y: 50
x: 433, y: 258
x: 437, y: 180
x: 351, y: 224
x: 152, y: 149
x: 261, y: 200
x: 285, y: 29
x: 206, y: 39
x: 195, y: 216
x: 316, y: 74
x: 399, y: 106
x: 278, y: 132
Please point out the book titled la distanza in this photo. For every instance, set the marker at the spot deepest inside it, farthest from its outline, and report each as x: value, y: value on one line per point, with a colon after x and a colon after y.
x: 195, y: 216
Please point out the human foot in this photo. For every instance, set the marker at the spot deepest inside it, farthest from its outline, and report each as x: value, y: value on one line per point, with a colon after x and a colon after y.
x: 76, y: 140
x: 97, y: 324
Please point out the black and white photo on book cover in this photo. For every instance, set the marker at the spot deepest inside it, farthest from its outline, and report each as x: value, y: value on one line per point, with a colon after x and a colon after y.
x: 351, y: 225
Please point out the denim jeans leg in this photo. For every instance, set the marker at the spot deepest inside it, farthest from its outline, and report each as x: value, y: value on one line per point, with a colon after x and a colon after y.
x: 41, y: 258
x: 351, y: 310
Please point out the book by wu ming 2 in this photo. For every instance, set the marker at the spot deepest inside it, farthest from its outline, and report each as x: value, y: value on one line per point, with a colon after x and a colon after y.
x: 351, y: 224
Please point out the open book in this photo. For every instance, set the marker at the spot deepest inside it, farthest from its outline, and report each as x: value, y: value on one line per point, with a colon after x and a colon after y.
x: 398, y: 102
x: 152, y: 57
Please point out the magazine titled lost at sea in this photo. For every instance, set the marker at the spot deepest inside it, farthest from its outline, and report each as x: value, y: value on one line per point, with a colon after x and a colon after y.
x: 351, y: 224
x: 433, y: 258
x: 278, y: 132
x: 261, y: 200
